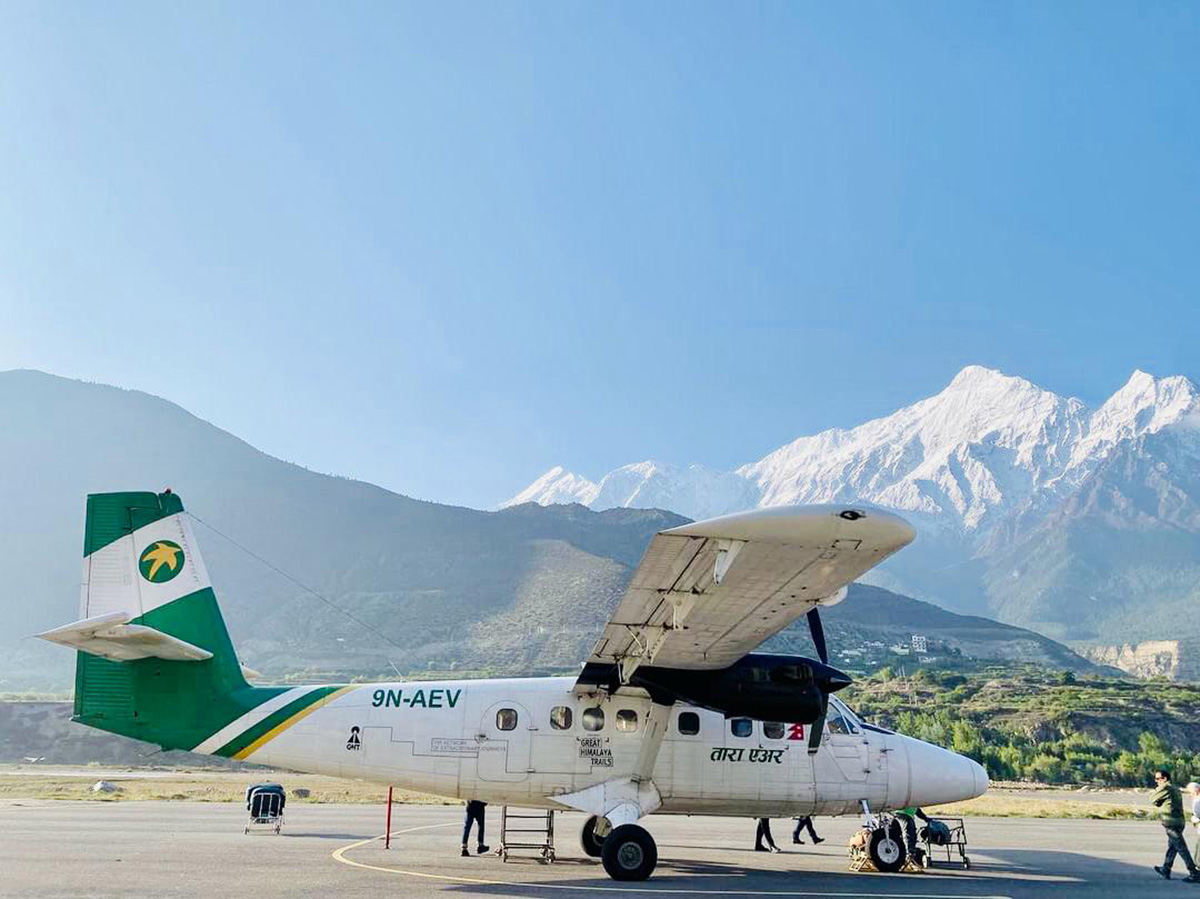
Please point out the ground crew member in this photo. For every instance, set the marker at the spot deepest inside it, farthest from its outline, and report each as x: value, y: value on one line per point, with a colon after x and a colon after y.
x: 475, y: 813
x: 908, y: 818
x: 764, y: 832
x: 805, y: 821
x: 1194, y: 789
x: 1168, y: 795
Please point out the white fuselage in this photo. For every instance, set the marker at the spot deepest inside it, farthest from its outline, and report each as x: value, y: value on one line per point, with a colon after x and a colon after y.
x: 460, y: 739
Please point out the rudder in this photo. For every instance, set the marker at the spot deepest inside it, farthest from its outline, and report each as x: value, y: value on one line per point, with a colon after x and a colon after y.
x: 155, y: 660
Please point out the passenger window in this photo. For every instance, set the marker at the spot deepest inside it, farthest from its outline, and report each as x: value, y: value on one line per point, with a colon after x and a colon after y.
x: 627, y: 720
x: 837, y: 724
x: 506, y: 719
x: 560, y: 718
x: 773, y: 730
x: 593, y: 719
x: 689, y: 723
x: 741, y: 727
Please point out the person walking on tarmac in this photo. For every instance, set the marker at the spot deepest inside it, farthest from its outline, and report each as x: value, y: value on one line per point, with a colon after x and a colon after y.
x: 475, y: 812
x: 805, y: 821
x: 1167, y: 794
x: 764, y: 832
x: 1194, y: 789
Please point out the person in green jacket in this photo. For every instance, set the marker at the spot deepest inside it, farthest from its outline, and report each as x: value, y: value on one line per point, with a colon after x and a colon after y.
x: 1168, y: 795
x: 908, y: 817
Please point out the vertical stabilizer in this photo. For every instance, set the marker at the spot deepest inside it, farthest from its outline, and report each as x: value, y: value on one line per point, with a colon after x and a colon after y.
x: 155, y: 661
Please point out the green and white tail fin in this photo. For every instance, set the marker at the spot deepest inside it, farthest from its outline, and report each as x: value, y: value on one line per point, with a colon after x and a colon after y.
x: 139, y: 555
x: 155, y: 661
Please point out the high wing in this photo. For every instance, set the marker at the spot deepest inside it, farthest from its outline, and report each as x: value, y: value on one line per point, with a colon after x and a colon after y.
x: 707, y: 593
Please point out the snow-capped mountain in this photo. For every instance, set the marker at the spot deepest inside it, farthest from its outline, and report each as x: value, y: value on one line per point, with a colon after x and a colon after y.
x: 557, y: 486
x: 988, y: 445
x: 645, y: 485
x: 980, y: 467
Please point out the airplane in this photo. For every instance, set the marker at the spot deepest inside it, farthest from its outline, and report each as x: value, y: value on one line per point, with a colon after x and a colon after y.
x: 672, y: 712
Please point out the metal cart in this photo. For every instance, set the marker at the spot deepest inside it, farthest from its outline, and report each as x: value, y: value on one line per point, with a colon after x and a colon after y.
x: 265, y: 804
x: 956, y: 841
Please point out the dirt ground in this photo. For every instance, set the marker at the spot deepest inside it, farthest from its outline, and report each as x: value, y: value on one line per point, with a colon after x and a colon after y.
x: 31, y: 782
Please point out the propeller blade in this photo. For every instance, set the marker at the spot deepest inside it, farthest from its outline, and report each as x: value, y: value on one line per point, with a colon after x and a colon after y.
x: 818, y: 634
x: 817, y: 727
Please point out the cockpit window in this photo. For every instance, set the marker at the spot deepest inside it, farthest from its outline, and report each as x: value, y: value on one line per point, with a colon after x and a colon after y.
x: 835, y: 721
x: 841, y: 720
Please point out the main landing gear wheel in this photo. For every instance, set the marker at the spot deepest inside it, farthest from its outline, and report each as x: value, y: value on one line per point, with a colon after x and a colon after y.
x: 887, y: 854
x: 629, y: 853
x: 592, y: 845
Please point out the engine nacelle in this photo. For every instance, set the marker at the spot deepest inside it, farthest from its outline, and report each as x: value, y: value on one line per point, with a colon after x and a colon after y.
x: 764, y: 687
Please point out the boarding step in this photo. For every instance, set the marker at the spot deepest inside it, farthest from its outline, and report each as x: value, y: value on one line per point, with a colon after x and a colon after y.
x: 527, y: 830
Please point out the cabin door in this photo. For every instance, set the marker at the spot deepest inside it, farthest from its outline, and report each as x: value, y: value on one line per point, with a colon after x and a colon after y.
x: 504, y: 737
x: 848, y: 745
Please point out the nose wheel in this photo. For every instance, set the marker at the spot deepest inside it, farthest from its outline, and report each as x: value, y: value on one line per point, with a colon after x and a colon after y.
x: 887, y: 853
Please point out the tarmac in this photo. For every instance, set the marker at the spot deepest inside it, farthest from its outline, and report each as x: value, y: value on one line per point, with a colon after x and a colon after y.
x: 173, y: 850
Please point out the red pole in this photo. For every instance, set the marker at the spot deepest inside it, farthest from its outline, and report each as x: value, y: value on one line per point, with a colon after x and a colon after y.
x: 387, y: 841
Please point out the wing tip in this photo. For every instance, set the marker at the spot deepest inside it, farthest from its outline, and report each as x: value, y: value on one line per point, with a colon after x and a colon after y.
x: 801, y: 523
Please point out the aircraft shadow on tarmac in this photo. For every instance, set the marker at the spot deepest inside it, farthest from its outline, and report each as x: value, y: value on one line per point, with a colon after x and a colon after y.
x: 1016, y: 873
x: 1060, y: 864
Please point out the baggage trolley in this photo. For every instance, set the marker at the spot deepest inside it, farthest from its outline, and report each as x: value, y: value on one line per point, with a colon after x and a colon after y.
x: 955, y: 841
x: 265, y: 804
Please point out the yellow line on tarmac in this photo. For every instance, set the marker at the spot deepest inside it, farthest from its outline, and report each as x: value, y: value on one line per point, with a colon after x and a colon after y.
x: 340, y: 855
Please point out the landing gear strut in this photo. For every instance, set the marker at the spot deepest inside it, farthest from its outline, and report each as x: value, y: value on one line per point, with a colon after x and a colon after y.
x: 629, y: 853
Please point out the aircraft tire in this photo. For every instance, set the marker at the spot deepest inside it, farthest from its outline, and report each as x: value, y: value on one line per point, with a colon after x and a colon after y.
x: 592, y: 845
x: 886, y: 853
x: 629, y: 853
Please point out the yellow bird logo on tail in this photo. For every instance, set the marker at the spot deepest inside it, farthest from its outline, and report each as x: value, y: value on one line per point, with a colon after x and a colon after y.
x: 161, y: 561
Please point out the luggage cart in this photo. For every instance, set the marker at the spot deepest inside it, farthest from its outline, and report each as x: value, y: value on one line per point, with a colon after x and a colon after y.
x: 265, y: 804
x: 527, y: 829
x: 955, y: 841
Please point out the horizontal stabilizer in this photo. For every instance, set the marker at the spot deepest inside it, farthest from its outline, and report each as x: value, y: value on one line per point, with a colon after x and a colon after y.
x: 111, y: 636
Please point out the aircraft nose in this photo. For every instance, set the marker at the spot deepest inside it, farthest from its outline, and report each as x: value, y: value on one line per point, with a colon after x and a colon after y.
x: 980, y: 776
x: 939, y: 775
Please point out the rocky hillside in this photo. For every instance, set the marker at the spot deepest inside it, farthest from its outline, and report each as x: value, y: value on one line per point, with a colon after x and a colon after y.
x: 1153, y: 658
x: 870, y: 616
x: 427, y: 579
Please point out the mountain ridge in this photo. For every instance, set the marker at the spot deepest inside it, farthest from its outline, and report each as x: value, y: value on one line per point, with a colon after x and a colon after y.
x: 983, y: 468
x: 440, y: 588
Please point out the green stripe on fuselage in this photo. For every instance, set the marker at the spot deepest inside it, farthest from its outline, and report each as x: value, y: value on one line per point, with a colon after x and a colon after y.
x: 240, y: 742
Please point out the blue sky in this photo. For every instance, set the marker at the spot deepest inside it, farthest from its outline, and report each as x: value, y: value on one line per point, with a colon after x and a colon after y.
x: 443, y: 247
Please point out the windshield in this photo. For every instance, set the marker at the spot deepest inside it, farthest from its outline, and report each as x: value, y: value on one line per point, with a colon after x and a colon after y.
x: 849, y: 722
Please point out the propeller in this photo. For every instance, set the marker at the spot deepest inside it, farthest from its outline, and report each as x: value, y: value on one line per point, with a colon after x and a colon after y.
x: 818, y: 727
x: 818, y: 634
x: 834, y: 679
